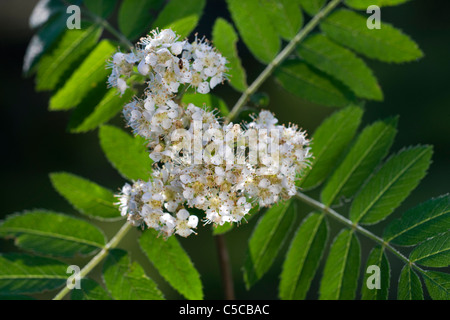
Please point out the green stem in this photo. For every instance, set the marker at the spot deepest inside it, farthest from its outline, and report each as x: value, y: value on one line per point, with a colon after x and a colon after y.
x: 354, y: 226
x: 282, y: 56
x: 105, y: 24
x: 98, y: 258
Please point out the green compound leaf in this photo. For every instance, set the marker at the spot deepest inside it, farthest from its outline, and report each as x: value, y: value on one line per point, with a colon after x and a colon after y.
x: 312, y: 7
x: 173, y: 263
x: 438, y: 284
x: 387, y: 44
x: 387, y: 188
x: 86, y: 196
x: 126, y: 153
x: 255, y: 28
x: 52, y: 233
x: 126, y: 280
x: 310, y: 84
x: 91, y: 73
x: 22, y: 273
x: 369, y: 149
x: 135, y: 18
x: 303, y: 257
x: 88, y: 116
x: 341, y: 64
x: 102, y: 8
x: 286, y: 16
x: 73, y: 45
x: 225, y: 39
x: 181, y: 16
x: 329, y: 141
x: 341, y: 273
x: 363, y: 4
x: 89, y: 290
x: 420, y: 223
x: 409, y: 285
x: 267, y: 239
x: 434, y: 252
x: 377, y: 258
x: 208, y: 100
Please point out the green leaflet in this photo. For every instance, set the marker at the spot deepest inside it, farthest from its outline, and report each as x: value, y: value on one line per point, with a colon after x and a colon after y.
x: 86, y: 196
x: 409, y: 285
x: 420, y: 223
x: 434, y: 252
x: 134, y: 17
x: 310, y: 84
x: 52, y: 233
x: 329, y: 141
x: 126, y: 280
x: 255, y: 28
x: 73, y: 45
x: 181, y: 16
x: 89, y: 114
x: 208, y: 100
x: 377, y: 258
x: 438, y: 284
x: 91, y: 73
x: 225, y: 38
x: 303, y: 257
x: 369, y: 149
x: 266, y: 240
x: 126, y: 153
x: 173, y: 263
x: 312, y: 7
x: 102, y: 8
x: 341, y: 64
x: 90, y: 290
x: 388, y: 187
x: 363, y: 4
x: 341, y: 273
x: 42, y: 41
x: 387, y: 44
x: 285, y: 15
x: 22, y: 273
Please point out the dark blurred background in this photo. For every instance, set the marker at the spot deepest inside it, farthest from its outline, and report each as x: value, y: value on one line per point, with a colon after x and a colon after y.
x: 35, y: 141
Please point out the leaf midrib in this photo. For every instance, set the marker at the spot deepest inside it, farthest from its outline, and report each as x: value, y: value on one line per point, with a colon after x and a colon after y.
x: 436, y: 283
x: 308, y: 250
x: 69, y: 50
x: 356, y: 64
x: 313, y: 84
x: 388, y: 186
x: 378, y: 40
x: 272, y: 232
x: 416, y: 225
x: 325, y: 147
x: 350, y: 172
x: 341, y: 274
x: 51, y: 235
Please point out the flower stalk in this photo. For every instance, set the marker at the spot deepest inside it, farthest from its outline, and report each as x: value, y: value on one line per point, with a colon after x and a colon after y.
x: 98, y: 257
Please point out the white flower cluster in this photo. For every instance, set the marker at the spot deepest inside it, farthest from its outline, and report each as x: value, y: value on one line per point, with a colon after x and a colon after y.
x: 167, y: 63
x: 225, y: 191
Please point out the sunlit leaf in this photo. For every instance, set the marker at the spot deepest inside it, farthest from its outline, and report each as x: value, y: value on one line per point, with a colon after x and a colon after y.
x: 52, y: 233
x: 173, y: 263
